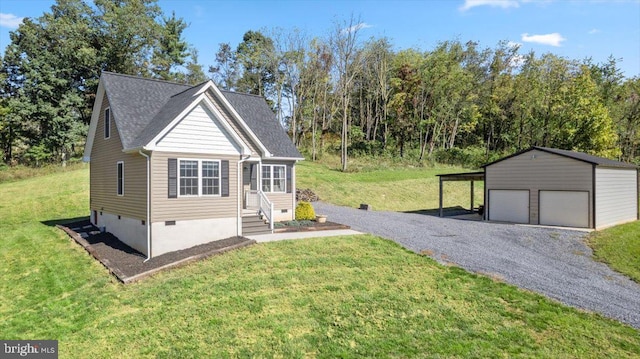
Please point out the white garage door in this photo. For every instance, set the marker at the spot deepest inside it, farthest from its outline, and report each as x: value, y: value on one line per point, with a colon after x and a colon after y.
x: 564, y: 208
x: 509, y: 206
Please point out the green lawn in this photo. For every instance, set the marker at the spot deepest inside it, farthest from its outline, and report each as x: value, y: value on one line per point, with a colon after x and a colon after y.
x: 385, y: 187
x: 358, y: 296
x: 619, y: 247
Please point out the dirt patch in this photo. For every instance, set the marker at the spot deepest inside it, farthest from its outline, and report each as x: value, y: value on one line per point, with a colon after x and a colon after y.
x: 128, y: 265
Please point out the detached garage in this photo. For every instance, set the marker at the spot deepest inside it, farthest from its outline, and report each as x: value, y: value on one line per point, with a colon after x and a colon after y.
x: 555, y: 187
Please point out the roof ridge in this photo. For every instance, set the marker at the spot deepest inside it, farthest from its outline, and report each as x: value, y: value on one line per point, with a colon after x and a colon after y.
x: 241, y: 93
x: 146, y: 78
x: 188, y: 89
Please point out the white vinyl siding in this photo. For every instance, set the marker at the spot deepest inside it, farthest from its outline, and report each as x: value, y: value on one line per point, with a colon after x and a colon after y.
x: 239, y: 130
x: 509, y: 206
x: 564, y: 208
x: 198, y: 178
x: 199, y: 132
x: 274, y: 178
x: 616, y: 196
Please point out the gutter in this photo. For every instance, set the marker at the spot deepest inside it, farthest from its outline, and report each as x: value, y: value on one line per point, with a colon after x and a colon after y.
x: 148, y: 222
x: 285, y: 158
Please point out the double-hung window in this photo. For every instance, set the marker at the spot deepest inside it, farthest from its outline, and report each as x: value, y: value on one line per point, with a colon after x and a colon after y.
x: 199, y: 178
x: 120, y: 186
x: 188, y: 178
x: 274, y: 178
x: 210, y: 178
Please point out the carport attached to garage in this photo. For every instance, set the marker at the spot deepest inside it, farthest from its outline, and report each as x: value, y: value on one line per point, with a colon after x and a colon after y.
x: 471, y: 177
x: 563, y: 188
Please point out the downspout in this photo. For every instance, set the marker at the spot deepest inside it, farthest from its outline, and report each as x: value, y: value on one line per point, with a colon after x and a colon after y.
x: 240, y: 193
x: 148, y: 221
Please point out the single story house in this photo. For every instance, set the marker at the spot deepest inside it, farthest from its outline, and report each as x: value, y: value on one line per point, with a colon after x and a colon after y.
x: 174, y: 166
x: 555, y: 187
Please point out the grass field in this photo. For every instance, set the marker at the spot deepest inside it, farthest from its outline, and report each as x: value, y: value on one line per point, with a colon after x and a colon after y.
x: 358, y: 296
x: 385, y: 186
x: 16, y: 173
x: 619, y: 247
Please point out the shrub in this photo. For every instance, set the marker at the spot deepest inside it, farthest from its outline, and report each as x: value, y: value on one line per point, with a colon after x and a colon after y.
x: 305, y: 211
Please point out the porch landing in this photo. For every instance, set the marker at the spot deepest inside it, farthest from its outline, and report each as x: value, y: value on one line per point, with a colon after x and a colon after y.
x: 249, y: 212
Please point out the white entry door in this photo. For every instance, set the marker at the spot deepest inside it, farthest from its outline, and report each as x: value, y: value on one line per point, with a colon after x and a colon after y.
x: 564, y: 208
x: 509, y: 206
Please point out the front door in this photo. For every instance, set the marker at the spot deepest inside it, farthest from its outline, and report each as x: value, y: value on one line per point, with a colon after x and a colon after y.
x: 250, y: 185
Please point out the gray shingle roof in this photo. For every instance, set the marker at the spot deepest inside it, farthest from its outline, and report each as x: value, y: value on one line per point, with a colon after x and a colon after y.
x: 134, y: 102
x: 171, y: 109
x: 255, y: 111
x: 142, y: 108
x: 580, y: 156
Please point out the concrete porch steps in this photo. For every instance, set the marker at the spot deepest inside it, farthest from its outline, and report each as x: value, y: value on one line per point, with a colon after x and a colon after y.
x: 253, y: 224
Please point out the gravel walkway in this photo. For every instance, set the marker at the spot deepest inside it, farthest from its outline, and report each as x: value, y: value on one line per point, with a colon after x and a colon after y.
x: 554, y: 262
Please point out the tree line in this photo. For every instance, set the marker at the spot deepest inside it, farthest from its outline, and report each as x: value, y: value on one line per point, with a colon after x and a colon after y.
x: 359, y: 96
x: 341, y: 93
x: 50, y: 70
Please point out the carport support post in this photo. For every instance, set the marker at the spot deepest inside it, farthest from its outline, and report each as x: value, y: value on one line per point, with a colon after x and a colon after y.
x: 440, y: 203
x: 471, y: 209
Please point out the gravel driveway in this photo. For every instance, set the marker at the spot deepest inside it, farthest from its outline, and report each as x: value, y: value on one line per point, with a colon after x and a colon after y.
x: 554, y: 262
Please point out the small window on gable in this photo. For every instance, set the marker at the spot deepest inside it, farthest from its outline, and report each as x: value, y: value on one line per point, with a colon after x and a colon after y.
x: 107, y: 123
x: 120, y: 178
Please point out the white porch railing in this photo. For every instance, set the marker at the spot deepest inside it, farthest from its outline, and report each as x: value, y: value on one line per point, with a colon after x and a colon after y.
x: 266, y: 208
x: 256, y: 199
x: 252, y: 200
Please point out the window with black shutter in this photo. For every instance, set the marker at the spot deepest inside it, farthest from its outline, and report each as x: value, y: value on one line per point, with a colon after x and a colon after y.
x: 289, y: 175
x: 224, y: 172
x: 173, y: 177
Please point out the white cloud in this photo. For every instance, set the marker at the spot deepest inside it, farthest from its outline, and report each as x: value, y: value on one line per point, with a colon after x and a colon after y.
x: 468, y: 4
x: 593, y: 31
x: 553, y: 39
x: 10, y: 21
x: 362, y: 25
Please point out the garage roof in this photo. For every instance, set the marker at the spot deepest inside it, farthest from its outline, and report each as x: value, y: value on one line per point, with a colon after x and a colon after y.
x: 467, y: 176
x: 580, y: 156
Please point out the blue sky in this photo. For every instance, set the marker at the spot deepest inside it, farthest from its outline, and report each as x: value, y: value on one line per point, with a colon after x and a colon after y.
x: 572, y: 29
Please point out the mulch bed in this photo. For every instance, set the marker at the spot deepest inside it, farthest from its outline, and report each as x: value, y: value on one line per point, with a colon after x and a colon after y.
x: 128, y: 265
x: 316, y: 227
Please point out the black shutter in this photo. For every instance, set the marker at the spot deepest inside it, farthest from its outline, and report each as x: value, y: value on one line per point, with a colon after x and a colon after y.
x: 253, y: 167
x: 289, y: 175
x: 173, y: 177
x: 224, y: 172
